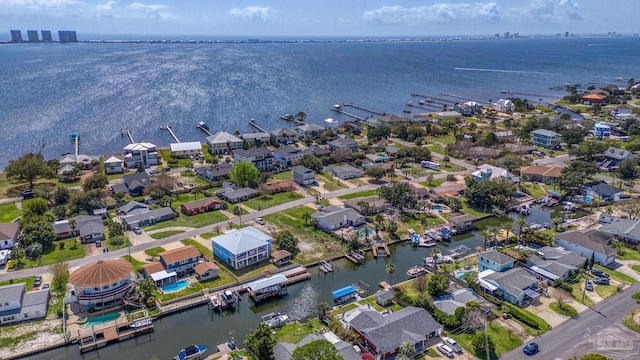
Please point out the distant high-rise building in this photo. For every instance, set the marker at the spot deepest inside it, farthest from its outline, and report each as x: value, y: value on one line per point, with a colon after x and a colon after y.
x: 33, y: 36
x: 506, y: 34
x: 516, y: 35
x: 16, y: 36
x: 67, y: 36
x: 566, y: 34
x: 46, y: 35
x: 497, y: 36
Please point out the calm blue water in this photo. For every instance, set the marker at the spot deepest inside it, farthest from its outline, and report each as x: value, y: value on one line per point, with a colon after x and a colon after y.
x: 50, y: 90
x: 176, y: 286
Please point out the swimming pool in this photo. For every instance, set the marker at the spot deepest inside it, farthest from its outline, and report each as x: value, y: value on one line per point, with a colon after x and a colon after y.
x: 101, y: 319
x: 366, y: 164
x: 384, y: 156
x: 461, y: 274
x: 588, y: 199
x: 369, y: 232
x: 176, y: 286
x: 437, y: 207
x: 520, y: 195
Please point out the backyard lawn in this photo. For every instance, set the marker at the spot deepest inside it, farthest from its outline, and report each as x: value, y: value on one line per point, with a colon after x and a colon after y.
x: 137, y: 265
x: 577, y: 290
x: 153, y: 252
x: 330, y: 183
x: 504, y: 340
x: 195, y: 221
x: 283, y: 175
x: 272, y: 200
x: 616, y: 275
x: 294, y: 332
x: 164, y: 234
x: 365, y: 193
x: 434, y: 183
x: 626, y: 253
x: 534, y: 189
x: 9, y: 212
x: 27, y: 280
x: 54, y: 254
x: 466, y: 209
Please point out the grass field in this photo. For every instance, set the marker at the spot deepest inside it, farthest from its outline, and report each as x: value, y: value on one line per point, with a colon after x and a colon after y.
x: 27, y: 280
x: 137, y: 265
x: 450, y: 167
x: 631, y: 323
x: 365, y: 193
x: 330, y: 183
x: 273, y: 200
x: 616, y: 275
x: 9, y: 212
x: 434, y: 183
x: 566, y: 309
x: 606, y: 290
x: 54, y: 254
x: 534, y: 189
x: 628, y: 254
x: 504, y: 341
x: 164, y: 234
x: 294, y: 332
x: 466, y: 209
x: 195, y: 221
x: 577, y: 290
x: 283, y: 175
x: 153, y: 252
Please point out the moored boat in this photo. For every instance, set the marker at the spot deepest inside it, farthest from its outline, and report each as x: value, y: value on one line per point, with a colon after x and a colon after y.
x: 191, y: 352
x: 416, y: 271
x: 141, y: 323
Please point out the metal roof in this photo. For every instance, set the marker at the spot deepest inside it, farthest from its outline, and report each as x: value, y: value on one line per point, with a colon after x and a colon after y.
x: 343, y: 292
x: 186, y: 146
x: 268, y: 282
x: 242, y: 240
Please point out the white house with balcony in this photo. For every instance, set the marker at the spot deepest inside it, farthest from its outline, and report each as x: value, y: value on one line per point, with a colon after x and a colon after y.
x: 145, y: 154
x: 240, y: 248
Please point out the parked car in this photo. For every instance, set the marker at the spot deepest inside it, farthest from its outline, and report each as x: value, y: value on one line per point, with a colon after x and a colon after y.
x: 260, y: 221
x: 315, y: 183
x: 137, y: 231
x: 37, y: 282
x: 452, y: 344
x: 589, y: 285
x: 98, y: 243
x: 45, y: 286
x: 531, y: 348
x: 447, y: 351
x: 599, y: 273
x: 601, y: 281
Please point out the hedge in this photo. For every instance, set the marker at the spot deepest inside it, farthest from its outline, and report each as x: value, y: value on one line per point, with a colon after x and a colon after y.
x: 526, y: 317
x: 404, y: 298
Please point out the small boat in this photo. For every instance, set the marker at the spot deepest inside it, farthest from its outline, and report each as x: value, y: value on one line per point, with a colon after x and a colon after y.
x: 416, y: 271
x: 141, y: 323
x: 216, y: 301
x: 426, y: 241
x: 229, y: 297
x: 275, y: 319
x: 203, y: 125
x: 525, y: 210
x: 421, y: 102
x: 504, y: 91
x: 191, y: 352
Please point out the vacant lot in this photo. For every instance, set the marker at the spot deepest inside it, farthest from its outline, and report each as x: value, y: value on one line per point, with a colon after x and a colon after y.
x: 261, y: 203
x: 54, y: 254
x: 365, y: 193
x: 194, y: 221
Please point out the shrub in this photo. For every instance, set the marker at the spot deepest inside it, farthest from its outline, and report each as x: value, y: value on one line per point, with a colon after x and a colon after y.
x: 526, y: 317
x: 404, y: 298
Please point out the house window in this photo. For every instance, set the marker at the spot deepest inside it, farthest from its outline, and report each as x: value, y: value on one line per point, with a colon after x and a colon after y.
x: 96, y: 289
x: 6, y: 304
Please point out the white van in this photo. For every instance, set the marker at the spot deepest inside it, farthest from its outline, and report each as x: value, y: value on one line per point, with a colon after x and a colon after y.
x: 447, y: 351
x: 452, y: 344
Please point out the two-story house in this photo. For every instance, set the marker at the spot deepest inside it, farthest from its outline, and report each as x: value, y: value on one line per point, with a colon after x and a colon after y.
x: 17, y: 304
x: 285, y: 136
x: 260, y: 157
x: 132, y: 184
x: 180, y: 260
x: 343, y: 144
x: 286, y: 156
x: 186, y: 149
x: 240, y: 248
x: 589, y: 243
x: 310, y: 130
x: 140, y: 154
x: 223, y: 143
x: 303, y: 175
x: 545, y: 138
x: 613, y: 157
x: 494, y: 260
x: 114, y: 165
x: 9, y: 235
x: 601, y: 130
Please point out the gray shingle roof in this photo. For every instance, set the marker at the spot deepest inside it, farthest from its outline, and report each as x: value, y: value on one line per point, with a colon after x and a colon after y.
x: 593, y: 240
x: 603, y: 189
x: 132, y: 205
x: 334, y: 217
x: 223, y: 137
x: 13, y: 292
x: 623, y: 227
x: 9, y: 230
x: 89, y: 225
x: 301, y: 169
x: 148, y: 215
x: 343, y: 142
x: 513, y: 281
x: 618, y: 154
x: 233, y: 194
x: 497, y: 257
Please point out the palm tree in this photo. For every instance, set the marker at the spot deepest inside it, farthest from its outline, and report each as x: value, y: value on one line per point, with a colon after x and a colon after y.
x: 521, y: 223
x: 323, y: 309
x: 435, y: 254
x: 485, y: 236
x: 217, y: 229
x: 392, y: 176
x: 390, y: 269
x: 557, y: 220
x: 73, y: 225
x: 507, y: 226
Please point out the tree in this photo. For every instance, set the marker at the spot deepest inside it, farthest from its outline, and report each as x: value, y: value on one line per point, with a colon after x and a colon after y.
x: 407, y: 349
x: 34, y: 250
x: 628, y: 169
x: 162, y: 182
x: 340, y: 155
x: 480, y: 343
x: 73, y: 224
x: 59, y: 273
x: 286, y: 241
x: 115, y: 228
x: 562, y: 297
x: 61, y: 195
x: 491, y: 140
x: 29, y: 167
x: 430, y: 179
x: 629, y: 208
x: 316, y: 350
x: 573, y: 135
x: 451, y: 177
x: 323, y: 309
x: 379, y: 132
x: 95, y: 182
x: 33, y: 210
x: 41, y: 232
x: 261, y: 342
x: 145, y: 290
x: 390, y: 269
x: 420, y: 283
x: 399, y: 195
x: 117, y: 240
x: 376, y: 172
x: 312, y: 162
x: 557, y: 220
x: 18, y: 254
x: 437, y: 285
x: 473, y: 319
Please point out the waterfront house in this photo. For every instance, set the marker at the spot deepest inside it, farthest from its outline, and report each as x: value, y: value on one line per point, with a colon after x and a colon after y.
x: 464, y: 109
x: 214, y: 172
x: 207, y: 270
x: 237, y: 195
x: 180, y: 260
x: 223, y: 142
x: 269, y: 287
x: 384, y: 297
x: 310, y: 130
x: 286, y: 156
x: 132, y: 184
x: 352, y: 127
x: 443, y: 115
x: 303, y: 175
x: 343, y: 144
x: 391, y: 119
x: 593, y: 99
x: 102, y: 284
x: 602, y: 190
x: 462, y: 222
x: 555, y: 263
x: 601, y: 130
x: 240, y: 248
x: 335, y: 217
x: 140, y: 154
x: 613, y: 157
x: 589, y: 243
x: 346, y: 172
x: 140, y: 217
x: 622, y: 229
x: 200, y: 206
x: 80, y: 161
x: 384, y: 334
x: 547, y: 174
x: 9, y: 235
x: 114, y: 165
x: 370, y: 205
x: 262, y: 158
x: 486, y: 171
x: 545, y: 138
x: 131, y: 206
x: 190, y: 149
x: 346, y: 351
x: 156, y: 272
x: 494, y: 260
x: 17, y: 304
x: 281, y: 257
x: 516, y: 285
x: 285, y: 136
x: 504, y: 105
x: 67, y: 173
x: 257, y: 138
x: 88, y: 227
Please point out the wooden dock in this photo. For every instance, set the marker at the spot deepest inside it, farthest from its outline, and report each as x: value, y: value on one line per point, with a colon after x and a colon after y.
x: 346, y: 113
x: 297, y: 274
x: 168, y: 128
x: 356, y: 256
x: 363, y: 108
x: 127, y: 132
x: 380, y: 250
x: 204, y: 130
x: 253, y: 123
x: 115, y: 333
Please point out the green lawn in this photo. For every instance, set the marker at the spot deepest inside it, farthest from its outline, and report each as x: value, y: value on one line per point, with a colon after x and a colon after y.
x: 616, y: 275
x: 153, y: 252
x: 432, y: 353
x: 344, y: 308
x: 626, y: 253
x: 436, y: 148
x: 195, y: 221
x: 9, y: 212
x: 283, y: 175
x: 330, y: 183
x: 636, y: 268
x: 534, y: 189
x: 357, y: 182
x: 187, y: 291
x: 577, y: 290
x: 434, y: 183
x: 466, y: 209
x: 201, y: 248
x: 450, y: 167
x: 166, y: 155
x: 294, y: 332
x: 606, y: 290
x: 365, y: 193
x: 630, y: 322
x: 54, y: 254
x: 137, y: 265
x: 273, y: 200
x: 27, y: 280
x: 371, y: 300
x: 414, y: 170
x: 504, y: 341
x: 164, y: 234
x: 446, y: 139
x: 232, y: 209
x: 566, y: 309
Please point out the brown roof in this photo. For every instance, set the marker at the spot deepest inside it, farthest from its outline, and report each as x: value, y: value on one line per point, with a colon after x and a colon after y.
x: 453, y: 189
x: 460, y: 218
x: 153, y: 267
x: 100, y: 273
x: 280, y: 254
x: 594, y: 97
x: 199, y: 204
x: 549, y: 170
x: 9, y: 230
x: 203, y: 267
x: 182, y: 253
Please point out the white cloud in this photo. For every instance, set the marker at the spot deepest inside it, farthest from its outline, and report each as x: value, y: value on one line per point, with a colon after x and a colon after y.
x: 107, y: 6
x: 551, y: 10
x: 38, y: 4
x: 144, y: 10
x: 82, y: 9
x: 264, y: 14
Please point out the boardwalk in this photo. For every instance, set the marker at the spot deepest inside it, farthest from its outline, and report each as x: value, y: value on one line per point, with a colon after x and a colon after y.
x: 362, y: 108
x: 253, y: 123
x: 168, y: 128
x: 127, y: 132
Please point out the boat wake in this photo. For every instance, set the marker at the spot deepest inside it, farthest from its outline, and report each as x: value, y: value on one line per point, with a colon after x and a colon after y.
x: 503, y: 71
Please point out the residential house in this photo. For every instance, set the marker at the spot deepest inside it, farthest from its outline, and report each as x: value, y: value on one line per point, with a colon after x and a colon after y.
x: 346, y: 351
x: 602, y: 190
x: 140, y: 217
x: 370, y: 205
x: 186, y: 149
x: 9, y: 235
x: 613, y: 157
x: 237, y: 195
x: 140, y: 154
x: 505, y: 136
x: 200, y: 206
x: 589, y: 243
x: 383, y: 335
x: 131, y: 206
x: 310, y: 130
x: 207, y: 270
x: 17, y: 304
x: 486, y: 171
x: 240, y: 248
x: 391, y: 150
x: 80, y: 161
x: 88, y: 227
x: 449, y: 189
x: 132, y: 184
x: 286, y: 156
x: 335, y: 217
x: 102, y: 212
x: 464, y: 109
x: 317, y: 151
x: 384, y: 297
x: 504, y: 105
x: 67, y: 173
x: 257, y: 138
x: 280, y: 186
x: 621, y: 111
x: 593, y: 99
x: 180, y: 260
x: 343, y: 144
x: 494, y: 260
x: 214, y: 172
x: 547, y: 174
x: 285, y: 136
x: 280, y: 257
x: 519, y: 149
x: 102, y: 284
x: 260, y: 157
x: 481, y: 152
x: 390, y: 119
x: 451, y: 301
x: 422, y: 192
x: 223, y: 143
x: 545, y: 138
x: 555, y: 263
x: 516, y: 285
x: 623, y: 229
x: 303, y: 175
x: 346, y: 172
x: 352, y: 127
x: 114, y: 165
x: 156, y: 272
x: 601, y: 130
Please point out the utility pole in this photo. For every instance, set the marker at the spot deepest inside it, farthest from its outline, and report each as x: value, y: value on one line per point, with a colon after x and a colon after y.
x: 486, y: 339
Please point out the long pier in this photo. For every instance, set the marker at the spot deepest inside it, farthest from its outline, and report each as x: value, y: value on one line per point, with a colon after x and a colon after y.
x: 253, y: 123
x: 128, y: 133
x: 428, y: 107
x: 168, y: 128
x: 338, y: 110
x: 363, y: 108
x: 463, y: 98
x: 549, y: 96
x: 434, y: 99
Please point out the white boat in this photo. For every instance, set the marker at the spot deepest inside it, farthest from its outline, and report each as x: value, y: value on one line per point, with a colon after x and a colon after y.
x: 191, y: 352
x: 416, y: 271
x: 141, y: 323
x: 216, y: 302
x: 426, y: 241
x: 524, y: 209
x: 275, y: 319
x: 229, y: 297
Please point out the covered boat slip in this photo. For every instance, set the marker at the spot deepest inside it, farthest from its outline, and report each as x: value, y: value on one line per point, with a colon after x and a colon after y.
x: 273, y: 286
x: 344, y: 294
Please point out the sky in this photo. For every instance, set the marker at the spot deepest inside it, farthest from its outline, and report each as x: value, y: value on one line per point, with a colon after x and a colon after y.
x: 321, y: 17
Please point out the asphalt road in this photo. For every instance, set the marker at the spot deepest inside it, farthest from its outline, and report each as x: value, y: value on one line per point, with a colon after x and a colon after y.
x: 598, y: 329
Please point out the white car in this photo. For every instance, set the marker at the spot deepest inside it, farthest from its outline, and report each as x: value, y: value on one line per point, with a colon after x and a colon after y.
x: 452, y: 344
x: 260, y: 221
x: 446, y: 350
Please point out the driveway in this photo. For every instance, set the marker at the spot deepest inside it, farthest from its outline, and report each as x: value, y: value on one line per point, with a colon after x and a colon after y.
x: 553, y: 318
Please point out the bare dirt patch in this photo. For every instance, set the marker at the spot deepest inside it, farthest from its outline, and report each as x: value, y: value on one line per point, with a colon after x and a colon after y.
x: 30, y: 336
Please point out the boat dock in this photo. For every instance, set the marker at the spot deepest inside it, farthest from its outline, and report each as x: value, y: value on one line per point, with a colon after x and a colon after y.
x: 205, y: 129
x: 95, y: 339
x: 127, y: 132
x: 356, y: 256
x: 463, y: 98
x: 75, y: 137
x: 168, y: 128
x: 363, y: 108
x: 297, y: 274
x: 339, y: 110
x: 427, y: 106
x: 434, y: 99
x: 326, y: 266
x: 550, y: 96
x: 253, y: 123
x: 380, y: 250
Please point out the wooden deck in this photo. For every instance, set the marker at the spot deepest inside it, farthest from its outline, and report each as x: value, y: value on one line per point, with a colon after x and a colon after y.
x: 100, y: 338
x: 380, y: 250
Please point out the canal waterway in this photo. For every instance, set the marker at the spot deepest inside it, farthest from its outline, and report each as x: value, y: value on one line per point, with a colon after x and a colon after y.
x: 201, y: 326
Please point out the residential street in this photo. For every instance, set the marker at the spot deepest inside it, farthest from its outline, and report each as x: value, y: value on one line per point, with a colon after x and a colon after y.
x: 573, y: 338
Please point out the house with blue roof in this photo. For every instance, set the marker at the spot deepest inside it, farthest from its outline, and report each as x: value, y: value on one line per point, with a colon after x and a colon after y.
x: 240, y: 248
